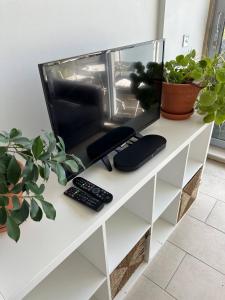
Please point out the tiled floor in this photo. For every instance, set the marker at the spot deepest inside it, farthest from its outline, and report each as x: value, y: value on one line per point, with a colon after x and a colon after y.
x: 191, y: 264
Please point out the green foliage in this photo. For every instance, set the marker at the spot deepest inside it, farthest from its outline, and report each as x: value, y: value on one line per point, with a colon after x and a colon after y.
x: 209, y: 73
x: 184, y: 69
x: 39, y: 157
x: 211, y: 99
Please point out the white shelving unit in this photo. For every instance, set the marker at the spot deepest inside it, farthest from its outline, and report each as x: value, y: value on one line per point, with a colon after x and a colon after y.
x: 162, y: 230
x: 123, y: 230
x: 73, y: 257
x: 196, y: 155
x: 76, y: 279
x: 192, y: 167
x: 165, y: 194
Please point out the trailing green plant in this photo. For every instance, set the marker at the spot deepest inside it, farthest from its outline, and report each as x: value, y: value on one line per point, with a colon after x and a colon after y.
x: 211, y: 99
x: 25, y: 166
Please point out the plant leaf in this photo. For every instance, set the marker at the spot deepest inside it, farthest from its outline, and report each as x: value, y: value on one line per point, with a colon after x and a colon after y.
x: 21, y: 214
x: 60, y: 157
x: 3, y: 139
x: 49, y: 209
x: 13, y: 171
x: 78, y: 160
x: 3, y: 150
x: 17, y: 188
x: 62, y: 144
x: 73, y: 166
x: 16, y: 202
x: 202, y: 63
x: 3, y: 188
x: 180, y: 59
x: 35, y: 211
x: 12, y: 228
x: 3, y: 215
x: 2, y: 167
x: 219, y: 119
x: 207, y: 98
x: 220, y: 75
x: 4, y: 200
x: 34, y: 188
x: 37, y: 147
x: 44, y: 171
x: 35, y: 173
x: 209, y: 118
x: 14, y: 132
x: 23, y: 141
x: 60, y: 172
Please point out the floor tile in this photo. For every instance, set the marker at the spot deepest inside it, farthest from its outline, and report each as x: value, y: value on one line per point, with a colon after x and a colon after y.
x: 164, y: 264
x: 217, y: 216
x: 202, y: 241
x: 144, y: 289
x: 213, y: 186
x: 202, y: 207
x: 195, y: 280
x: 215, y: 168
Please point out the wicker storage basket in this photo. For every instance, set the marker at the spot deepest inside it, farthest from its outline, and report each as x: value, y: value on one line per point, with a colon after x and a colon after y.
x: 189, y: 194
x: 129, y: 264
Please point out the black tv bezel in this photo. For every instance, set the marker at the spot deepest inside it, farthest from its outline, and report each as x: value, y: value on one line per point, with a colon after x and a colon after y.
x: 47, y: 97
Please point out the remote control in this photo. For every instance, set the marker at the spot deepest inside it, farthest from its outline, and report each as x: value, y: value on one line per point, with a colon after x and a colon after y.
x: 84, y: 198
x: 93, y: 189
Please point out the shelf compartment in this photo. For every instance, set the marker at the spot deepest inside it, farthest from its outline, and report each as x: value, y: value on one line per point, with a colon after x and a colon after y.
x: 123, y: 231
x: 132, y: 280
x: 161, y: 231
x: 76, y: 278
x: 191, y: 169
x: 165, y: 194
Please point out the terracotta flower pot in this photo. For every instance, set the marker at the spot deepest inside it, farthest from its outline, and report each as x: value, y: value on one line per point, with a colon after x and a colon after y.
x: 178, y: 100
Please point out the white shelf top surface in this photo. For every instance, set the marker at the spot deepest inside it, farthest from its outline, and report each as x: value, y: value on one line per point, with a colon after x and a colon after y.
x: 123, y: 231
x: 75, y: 279
x: 43, y: 246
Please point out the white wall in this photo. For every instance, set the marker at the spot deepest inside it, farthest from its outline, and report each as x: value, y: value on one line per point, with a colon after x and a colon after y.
x: 184, y: 17
x: 35, y: 31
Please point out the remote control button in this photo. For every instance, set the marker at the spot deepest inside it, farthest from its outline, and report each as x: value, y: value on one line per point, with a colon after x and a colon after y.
x: 92, y: 189
x: 84, y: 198
x: 95, y: 190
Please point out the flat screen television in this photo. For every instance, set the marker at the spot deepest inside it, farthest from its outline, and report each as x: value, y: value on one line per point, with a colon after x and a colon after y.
x: 92, y: 95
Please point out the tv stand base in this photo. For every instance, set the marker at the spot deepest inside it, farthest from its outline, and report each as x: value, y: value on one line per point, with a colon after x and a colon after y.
x: 107, y: 163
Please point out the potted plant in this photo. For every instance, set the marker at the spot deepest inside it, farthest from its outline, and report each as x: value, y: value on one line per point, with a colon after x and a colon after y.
x: 25, y: 166
x: 180, y: 89
x: 190, y: 83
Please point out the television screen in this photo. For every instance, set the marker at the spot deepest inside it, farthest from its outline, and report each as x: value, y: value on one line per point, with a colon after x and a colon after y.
x: 91, y: 95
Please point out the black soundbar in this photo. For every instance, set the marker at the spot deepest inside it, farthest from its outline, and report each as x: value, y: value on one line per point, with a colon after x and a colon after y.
x: 110, y: 141
x: 138, y: 153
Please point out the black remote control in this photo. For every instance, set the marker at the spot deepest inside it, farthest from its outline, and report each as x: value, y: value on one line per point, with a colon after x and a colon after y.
x: 84, y: 198
x: 93, y: 189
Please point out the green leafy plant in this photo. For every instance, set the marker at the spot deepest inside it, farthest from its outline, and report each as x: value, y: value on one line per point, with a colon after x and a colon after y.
x: 183, y: 69
x: 25, y: 166
x: 211, y: 99
x: 209, y: 74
